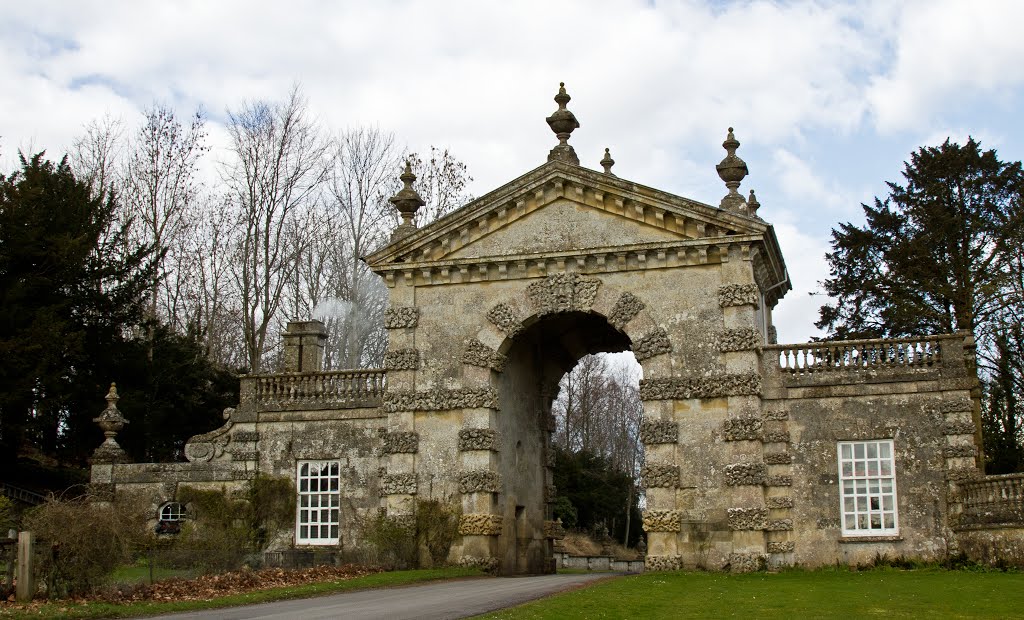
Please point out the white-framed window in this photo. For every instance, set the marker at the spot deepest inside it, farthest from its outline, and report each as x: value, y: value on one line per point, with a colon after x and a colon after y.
x: 317, y: 513
x: 172, y: 512
x: 867, y: 488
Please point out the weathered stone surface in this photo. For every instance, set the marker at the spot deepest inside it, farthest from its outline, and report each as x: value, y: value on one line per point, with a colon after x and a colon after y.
x: 775, y: 437
x: 958, y: 428
x: 659, y: 431
x: 488, y: 565
x: 626, y: 307
x: 779, y: 525
x: 960, y: 450
x: 480, y: 525
x: 241, y: 472
x: 243, y: 455
x: 737, y: 295
x: 479, y: 481
x: 956, y: 405
x: 550, y: 493
x: 960, y: 474
x: 440, y: 400
x: 505, y: 318
x: 747, y: 562
x: 478, y: 439
x: 479, y: 354
x: 742, y: 474
x: 401, y: 317
x: 402, y: 442
x: 747, y: 518
x: 778, y: 458
x: 663, y: 521
x: 779, y: 502
x: 241, y: 436
x: 651, y: 345
x: 663, y: 562
x: 554, y: 529
x: 563, y: 292
x: 740, y: 429
x: 102, y: 491
x: 787, y: 546
x: 398, y: 484
x: 402, y: 359
x: 778, y: 481
x: 740, y: 339
x: 715, y: 386
x: 660, y: 475
x: 775, y: 414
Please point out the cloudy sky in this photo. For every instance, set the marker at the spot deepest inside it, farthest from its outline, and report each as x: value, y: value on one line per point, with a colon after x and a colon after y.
x: 827, y: 98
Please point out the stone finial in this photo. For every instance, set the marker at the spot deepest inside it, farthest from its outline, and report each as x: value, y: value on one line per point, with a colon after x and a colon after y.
x: 752, y: 204
x: 407, y: 202
x: 732, y: 169
x: 110, y: 422
x: 563, y: 122
x: 607, y: 162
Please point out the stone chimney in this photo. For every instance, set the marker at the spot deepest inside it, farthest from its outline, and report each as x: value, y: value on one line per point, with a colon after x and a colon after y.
x: 304, y: 346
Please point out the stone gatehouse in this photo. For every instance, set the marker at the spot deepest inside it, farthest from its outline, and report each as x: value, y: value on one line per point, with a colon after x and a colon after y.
x: 756, y: 453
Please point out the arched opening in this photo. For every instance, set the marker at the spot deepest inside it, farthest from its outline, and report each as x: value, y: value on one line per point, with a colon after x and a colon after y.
x: 538, y: 357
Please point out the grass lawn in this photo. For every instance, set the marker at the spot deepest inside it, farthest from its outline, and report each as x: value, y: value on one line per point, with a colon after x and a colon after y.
x: 68, y: 609
x: 883, y: 593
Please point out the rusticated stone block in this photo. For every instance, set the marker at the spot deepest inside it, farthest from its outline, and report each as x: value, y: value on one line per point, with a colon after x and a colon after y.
x: 243, y: 455
x: 550, y: 493
x: 402, y: 359
x: 956, y: 405
x: 480, y: 525
x: 663, y: 521
x: 742, y: 429
x: 737, y: 295
x: 743, y: 474
x: 779, y: 525
x: 958, y: 428
x: 626, y: 307
x: 440, y: 400
x: 776, y: 437
x: 651, y: 345
x: 478, y: 439
x: 663, y: 562
x: 775, y: 414
x: 659, y: 431
x: 554, y: 529
x: 658, y: 475
x: 401, y: 317
x: 403, y: 442
x: 398, y: 484
x: 242, y: 436
x: 488, y: 565
x: 747, y: 518
x: 779, y: 502
x: 479, y: 354
x: 563, y: 292
x: 961, y: 474
x: 715, y: 386
x: 504, y: 318
x: 778, y: 458
x: 240, y: 472
x: 778, y: 481
x: 739, y: 339
x: 479, y: 481
x: 747, y: 562
x: 961, y: 450
x: 787, y: 546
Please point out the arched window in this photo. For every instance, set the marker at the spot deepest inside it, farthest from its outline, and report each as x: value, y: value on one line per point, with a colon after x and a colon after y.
x: 170, y: 517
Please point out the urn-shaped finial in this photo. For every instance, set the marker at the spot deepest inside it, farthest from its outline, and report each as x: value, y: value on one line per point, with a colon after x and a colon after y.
x: 607, y: 162
x: 407, y: 202
x: 563, y: 122
x: 732, y: 169
x: 752, y: 204
x: 110, y: 422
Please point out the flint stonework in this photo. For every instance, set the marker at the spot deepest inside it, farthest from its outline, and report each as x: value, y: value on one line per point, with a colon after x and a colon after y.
x: 745, y: 474
x: 663, y: 521
x: 778, y: 481
x: 962, y: 474
x: 737, y: 295
x: 778, y: 458
x: 742, y: 429
x: 654, y: 432
x: 401, y: 317
x: 663, y: 562
x: 404, y: 442
x: 779, y: 525
x: 440, y: 400
x: 956, y: 406
x: 658, y: 475
x: 478, y: 439
x: 479, y: 354
x: 958, y: 428
x: 776, y: 437
x: 398, y: 484
x: 563, y: 292
x: 961, y: 450
x: 653, y: 344
x: 402, y: 359
x: 715, y: 386
x: 626, y: 307
x: 747, y: 518
x: 480, y: 525
x: 480, y: 481
x: 782, y: 547
x: 739, y: 339
x: 747, y: 562
x: 504, y: 318
x: 779, y: 502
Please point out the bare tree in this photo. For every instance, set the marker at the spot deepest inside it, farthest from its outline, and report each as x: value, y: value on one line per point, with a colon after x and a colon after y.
x: 95, y: 155
x: 278, y: 167
x: 441, y: 181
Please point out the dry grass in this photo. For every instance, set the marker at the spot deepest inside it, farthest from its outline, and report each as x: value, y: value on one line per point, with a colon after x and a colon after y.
x: 580, y: 544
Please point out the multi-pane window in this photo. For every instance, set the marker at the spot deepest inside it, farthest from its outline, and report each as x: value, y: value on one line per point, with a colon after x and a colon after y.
x: 172, y: 511
x: 867, y: 487
x: 317, y: 515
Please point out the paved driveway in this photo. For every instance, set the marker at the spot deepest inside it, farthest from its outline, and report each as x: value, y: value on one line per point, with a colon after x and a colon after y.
x: 451, y: 599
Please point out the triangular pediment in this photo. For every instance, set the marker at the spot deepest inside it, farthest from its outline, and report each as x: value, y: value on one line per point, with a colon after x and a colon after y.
x: 559, y: 208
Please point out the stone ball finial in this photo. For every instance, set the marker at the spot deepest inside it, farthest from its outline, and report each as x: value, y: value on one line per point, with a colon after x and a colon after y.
x: 607, y: 162
x: 407, y: 202
x: 563, y: 122
x: 732, y: 170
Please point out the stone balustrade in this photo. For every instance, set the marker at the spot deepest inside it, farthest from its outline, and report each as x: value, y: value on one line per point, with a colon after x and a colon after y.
x: 860, y: 355
x: 339, y: 388
x: 993, y: 500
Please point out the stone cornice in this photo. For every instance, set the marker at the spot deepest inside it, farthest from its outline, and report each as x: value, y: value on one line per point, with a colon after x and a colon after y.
x: 635, y: 257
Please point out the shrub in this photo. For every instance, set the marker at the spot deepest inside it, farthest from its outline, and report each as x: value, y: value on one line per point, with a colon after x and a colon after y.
x: 397, y: 541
